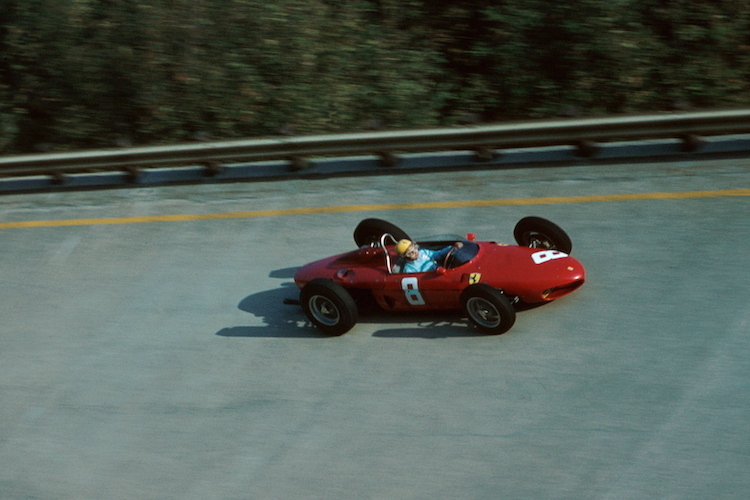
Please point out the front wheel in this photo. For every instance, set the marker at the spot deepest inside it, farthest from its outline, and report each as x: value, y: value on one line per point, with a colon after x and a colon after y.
x: 328, y: 306
x: 536, y: 232
x: 488, y: 309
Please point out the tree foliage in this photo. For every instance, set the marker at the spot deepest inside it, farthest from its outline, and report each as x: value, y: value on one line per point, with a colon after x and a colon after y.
x: 94, y: 73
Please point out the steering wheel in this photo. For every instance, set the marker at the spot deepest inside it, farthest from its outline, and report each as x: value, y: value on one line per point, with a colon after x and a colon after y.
x: 449, y: 255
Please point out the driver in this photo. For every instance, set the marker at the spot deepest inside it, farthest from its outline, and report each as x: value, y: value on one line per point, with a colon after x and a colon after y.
x: 416, y: 260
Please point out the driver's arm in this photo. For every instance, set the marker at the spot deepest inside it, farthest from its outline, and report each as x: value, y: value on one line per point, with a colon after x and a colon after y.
x: 442, y: 253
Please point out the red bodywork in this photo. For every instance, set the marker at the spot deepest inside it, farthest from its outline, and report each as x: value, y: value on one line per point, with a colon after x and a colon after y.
x: 531, y: 274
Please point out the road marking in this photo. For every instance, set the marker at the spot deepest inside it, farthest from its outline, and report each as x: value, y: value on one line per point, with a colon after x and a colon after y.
x: 550, y: 200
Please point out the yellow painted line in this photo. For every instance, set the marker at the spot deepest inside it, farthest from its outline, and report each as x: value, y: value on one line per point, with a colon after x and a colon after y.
x: 549, y: 200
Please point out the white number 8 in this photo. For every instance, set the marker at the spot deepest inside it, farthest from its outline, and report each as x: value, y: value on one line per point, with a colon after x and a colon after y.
x: 546, y: 256
x: 411, y: 290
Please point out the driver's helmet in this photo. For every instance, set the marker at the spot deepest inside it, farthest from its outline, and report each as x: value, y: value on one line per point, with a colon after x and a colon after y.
x: 403, y: 246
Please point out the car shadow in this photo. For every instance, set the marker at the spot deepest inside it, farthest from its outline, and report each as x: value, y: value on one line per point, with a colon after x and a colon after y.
x: 283, y: 274
x: 521, y: 307
x: 426, y: 328
x: 279, y: 320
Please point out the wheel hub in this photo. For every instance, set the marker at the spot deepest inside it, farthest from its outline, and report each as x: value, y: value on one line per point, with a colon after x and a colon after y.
x: 484, y: 312
x: 324, y: 310
x: 538, y: 240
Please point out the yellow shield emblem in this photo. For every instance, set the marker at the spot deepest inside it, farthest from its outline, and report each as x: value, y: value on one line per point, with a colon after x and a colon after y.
x: 475, y: 278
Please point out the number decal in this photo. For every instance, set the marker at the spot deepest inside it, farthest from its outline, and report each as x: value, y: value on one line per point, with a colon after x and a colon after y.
x: 546, y: 256
x: 411, y: 290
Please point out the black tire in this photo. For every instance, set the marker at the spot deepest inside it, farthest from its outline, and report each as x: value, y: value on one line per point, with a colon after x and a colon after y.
x: 536, y: 232
x: 488, y: 309
x: 328, y: 306
x: 369, y: 231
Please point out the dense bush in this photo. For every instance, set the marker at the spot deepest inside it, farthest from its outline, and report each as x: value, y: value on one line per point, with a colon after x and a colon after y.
x: 93, y: 73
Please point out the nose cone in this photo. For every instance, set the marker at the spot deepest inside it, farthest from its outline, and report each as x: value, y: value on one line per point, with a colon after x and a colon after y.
x: 536, y: 275
x: 566, y: 276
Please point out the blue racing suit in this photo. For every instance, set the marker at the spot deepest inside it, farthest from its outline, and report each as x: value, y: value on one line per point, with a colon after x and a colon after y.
x: 426, y: 261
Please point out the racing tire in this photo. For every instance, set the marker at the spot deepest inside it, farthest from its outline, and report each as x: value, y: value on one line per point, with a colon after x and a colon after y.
x: 328, y: 306
x: 369, y: 232
x: 488, y: 308
x: 536, y: 232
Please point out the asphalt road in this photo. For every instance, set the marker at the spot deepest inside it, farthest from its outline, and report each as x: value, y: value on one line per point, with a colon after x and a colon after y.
x: 145, y: 351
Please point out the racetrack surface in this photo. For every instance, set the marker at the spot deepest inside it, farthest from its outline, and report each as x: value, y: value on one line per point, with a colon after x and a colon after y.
x: 145, y: 351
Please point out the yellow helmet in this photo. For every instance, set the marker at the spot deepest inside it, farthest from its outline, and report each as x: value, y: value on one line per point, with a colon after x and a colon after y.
x: 403, y: 246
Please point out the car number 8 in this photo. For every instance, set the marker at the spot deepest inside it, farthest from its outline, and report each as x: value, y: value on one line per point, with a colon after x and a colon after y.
x: 546, y: 256
x: 411, y: 290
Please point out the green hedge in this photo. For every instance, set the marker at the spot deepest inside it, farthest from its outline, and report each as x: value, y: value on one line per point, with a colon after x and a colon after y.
x: 96, y: 73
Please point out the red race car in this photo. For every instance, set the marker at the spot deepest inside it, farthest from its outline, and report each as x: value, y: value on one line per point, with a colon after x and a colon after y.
x: 484, y: 279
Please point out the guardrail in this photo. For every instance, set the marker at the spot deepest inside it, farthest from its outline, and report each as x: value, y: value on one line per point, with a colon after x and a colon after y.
x: 484, y: 139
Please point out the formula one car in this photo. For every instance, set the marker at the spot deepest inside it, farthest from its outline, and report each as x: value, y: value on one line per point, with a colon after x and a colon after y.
x: 485, y: 280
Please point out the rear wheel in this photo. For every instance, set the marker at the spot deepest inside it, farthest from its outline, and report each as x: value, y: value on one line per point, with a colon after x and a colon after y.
x: 328, y: 306
x: 488, y: 309
x: 536, y: 232
x: 369, y: 232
